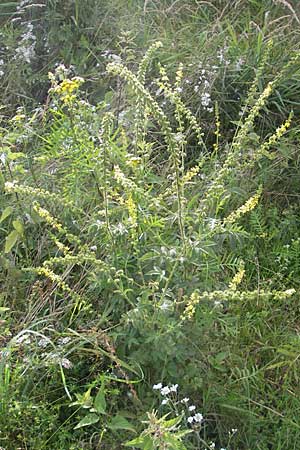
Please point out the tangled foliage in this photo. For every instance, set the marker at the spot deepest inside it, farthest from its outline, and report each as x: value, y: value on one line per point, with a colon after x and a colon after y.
x: 125, y: 263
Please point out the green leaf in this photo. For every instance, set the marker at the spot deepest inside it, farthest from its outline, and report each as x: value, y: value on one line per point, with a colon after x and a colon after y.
x: 143, y: 442
x: 100, y: 402
x: 175, y: 443
x: 137, y: 442
x: 120, y: 423
x: 172, y: 422
x: 3, y: 309
x: 18, y: 226
x: 11, y: 240
x: 89, y: 419
x: 6, y: 213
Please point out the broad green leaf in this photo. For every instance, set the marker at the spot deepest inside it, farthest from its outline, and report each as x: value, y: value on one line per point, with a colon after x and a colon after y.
x: 6, y: 213
x: 137, y: 442
x: 143, y: 442
x: 11, y: 240
x: 18, y: 226
x: 3, y: 309
x: 100, y: 402
x: 89, y: 419
x: 120, y: 423
x: 172, y: 422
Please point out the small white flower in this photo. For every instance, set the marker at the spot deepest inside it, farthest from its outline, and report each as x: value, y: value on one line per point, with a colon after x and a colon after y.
x: 24, y: 339
x: 198, y: 417
x: 43, y: 342
x: 190, y: 419
x: 66, y: 363
x: 165, y: 390
x: 115, y: 58
x: 174, y: 387
x: 290, y: 292
x: 165, y: 305
x: 179, y: 137
x: 64, y: 340
x: 192, y: 408
x: 185, y: 400
x: 165, y: 401
x: 157, y: 386
x: 212, y: 446
x: 233, y: 430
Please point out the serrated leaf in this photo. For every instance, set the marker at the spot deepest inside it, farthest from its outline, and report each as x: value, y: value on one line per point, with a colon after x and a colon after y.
x: 6, y: 213
x: 100, y: 402
x: 120, y: 423
x: 11, y: 240
x: 18, y: 226
x: 89, y: 419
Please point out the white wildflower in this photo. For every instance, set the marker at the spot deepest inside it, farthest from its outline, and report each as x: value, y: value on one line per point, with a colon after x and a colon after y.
x: 43, y: 342
x: 157, y: 386
x: 165, y: 305
x: 239, y: 64
x: 66, y: 363
x: 3, y: 158
x: 205, y: 99
x: 64, y: 340
x: 165, y: 390
x: 290, y: 292
x: 192, y: 408
x: 185, y: 400
x: 190, y: 419
x: 24, y: 339
x: 174, y: 388
x: 165, y: 401
x: 198, y: 417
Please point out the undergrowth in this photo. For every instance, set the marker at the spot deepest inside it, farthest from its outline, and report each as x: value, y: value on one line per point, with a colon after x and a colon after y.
x: 149, y: 227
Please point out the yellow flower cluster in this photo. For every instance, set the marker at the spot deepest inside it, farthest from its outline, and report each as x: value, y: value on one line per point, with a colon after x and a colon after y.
x: 57, y: 279
x: 14, y: 186
x: 44, y: 214
x: 190, y: 308
x: 179, y: 75
x: 263, y: 150
x: 237, y: 279
x: 248, y: 206
x: 66, y: 90
x: 190, y: 174
x: 132, y: 211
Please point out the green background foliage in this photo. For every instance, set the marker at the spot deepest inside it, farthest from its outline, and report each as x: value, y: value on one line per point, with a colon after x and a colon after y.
x: 148, y: 234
